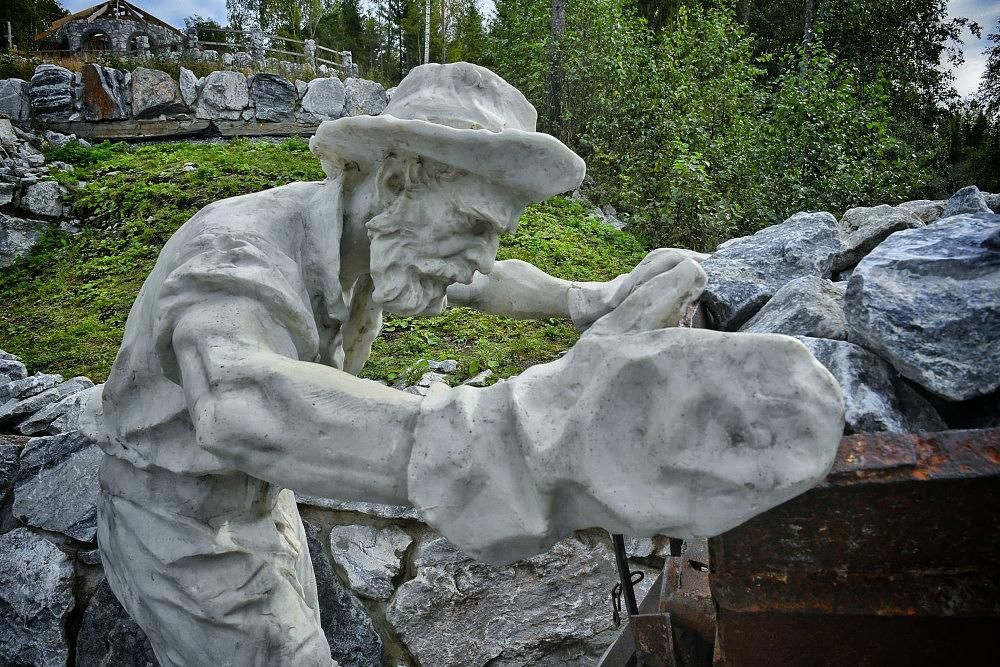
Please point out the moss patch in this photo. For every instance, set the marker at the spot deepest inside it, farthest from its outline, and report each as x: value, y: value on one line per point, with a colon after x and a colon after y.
x: 65, y: 305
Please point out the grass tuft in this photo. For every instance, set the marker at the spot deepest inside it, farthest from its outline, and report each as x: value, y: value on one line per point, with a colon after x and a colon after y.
x: 66, y: 303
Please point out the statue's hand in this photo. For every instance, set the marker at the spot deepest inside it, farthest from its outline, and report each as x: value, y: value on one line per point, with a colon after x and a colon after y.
x: 590, y: 302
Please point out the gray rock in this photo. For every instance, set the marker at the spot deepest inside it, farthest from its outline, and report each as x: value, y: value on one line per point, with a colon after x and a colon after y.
x: 274, y: 97
x: 480, y: 379
x: 371, y: 509
x: 437, y: 551
x: 105, y: 93
x: 59, y: 417
x: 301, y: 87
x: 43, y: 198
x: 346, y: 624
x: 325, y: 98
x: 58, y: 139
x: 51, y: 93
x: 926, y: 209
x: 745, y: 272
x: 17, y: 410
x: 109, y: 637
x: 864, y: 228
x: 876, y: 398
x: 370, y: 557
x: 443, y: 366
x: 8, y: 137
x: 364, y: 97
x: 36, y: 580
x: 29, y: 386
x: 430, y: 377
x: 224, y: 96
x: 9, y: 455
x: 188, y: 85
x: 967, y: 200
x: 6, y: 193
x: 14, y: 99
x: 993, y: 201
x: 926, y: 300
x: 11, y: 368
x: 57, y: 486
x: 807, y: 306
x: 639, y: 547
x: 90, y: 557
x: 154, y: 93
x: 18, y: 236
x: 552, y: 609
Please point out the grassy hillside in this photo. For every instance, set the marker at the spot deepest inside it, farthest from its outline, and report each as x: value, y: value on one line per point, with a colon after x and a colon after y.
x: 65, y: 305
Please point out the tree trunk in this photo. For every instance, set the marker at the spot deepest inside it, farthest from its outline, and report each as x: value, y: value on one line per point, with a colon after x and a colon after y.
x: 747, y: 6
x: 554, y: 101
x: 427, y: 31
x: 444, y: 31
x: 807, y: 34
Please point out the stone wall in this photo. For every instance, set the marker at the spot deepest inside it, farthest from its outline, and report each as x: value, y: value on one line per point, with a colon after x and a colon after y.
x: 30, y: 202
x: 106, y: 103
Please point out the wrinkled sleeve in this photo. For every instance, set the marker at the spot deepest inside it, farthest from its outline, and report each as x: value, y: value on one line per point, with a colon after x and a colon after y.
x: 242, y: 266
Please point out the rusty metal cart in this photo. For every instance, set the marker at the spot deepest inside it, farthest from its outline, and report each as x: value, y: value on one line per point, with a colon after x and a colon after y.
x: 893, y: 560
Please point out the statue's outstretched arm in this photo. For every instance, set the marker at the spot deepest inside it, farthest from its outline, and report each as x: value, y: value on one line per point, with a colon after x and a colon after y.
x: 639, y: 429
x: 523, y: 291
x: 301, y: 425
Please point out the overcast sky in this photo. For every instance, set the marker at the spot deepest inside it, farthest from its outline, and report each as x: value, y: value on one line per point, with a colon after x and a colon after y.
x: 986, y: 12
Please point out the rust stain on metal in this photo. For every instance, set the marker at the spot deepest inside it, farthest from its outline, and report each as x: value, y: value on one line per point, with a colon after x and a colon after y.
x: 654, y: 641
x: 896, y: 549
x: 686, y: 594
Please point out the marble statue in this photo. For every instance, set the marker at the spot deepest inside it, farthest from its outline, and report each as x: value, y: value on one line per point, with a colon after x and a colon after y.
x: 235, y: 383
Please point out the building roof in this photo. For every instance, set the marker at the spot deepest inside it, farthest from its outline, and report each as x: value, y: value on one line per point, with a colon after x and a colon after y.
x: 112, y: 9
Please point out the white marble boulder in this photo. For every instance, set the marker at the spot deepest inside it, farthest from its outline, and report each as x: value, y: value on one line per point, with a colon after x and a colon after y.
x: 154, y: 93
x: 363, y: 97
x: 324, y: 98
x: 224, y: 96
x: 188, y: 84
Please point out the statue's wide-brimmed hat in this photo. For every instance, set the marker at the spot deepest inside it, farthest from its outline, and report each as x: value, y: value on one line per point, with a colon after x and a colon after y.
x: 466, y: 117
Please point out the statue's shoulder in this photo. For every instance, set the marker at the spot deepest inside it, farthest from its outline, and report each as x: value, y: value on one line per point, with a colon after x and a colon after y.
x: 275, y: 215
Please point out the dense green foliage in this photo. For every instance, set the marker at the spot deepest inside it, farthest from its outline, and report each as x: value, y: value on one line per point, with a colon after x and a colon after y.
x: 27, y: 18
x: 694, y: 132
x: 66, y: 303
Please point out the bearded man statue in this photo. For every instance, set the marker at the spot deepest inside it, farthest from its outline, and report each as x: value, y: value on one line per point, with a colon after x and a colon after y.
x: 235, y: 382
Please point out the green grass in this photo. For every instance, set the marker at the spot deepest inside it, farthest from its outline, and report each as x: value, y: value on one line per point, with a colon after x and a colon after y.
x: 65, y: 304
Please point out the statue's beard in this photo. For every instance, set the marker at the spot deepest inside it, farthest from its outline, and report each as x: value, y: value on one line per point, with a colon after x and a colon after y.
x: 404, y: 284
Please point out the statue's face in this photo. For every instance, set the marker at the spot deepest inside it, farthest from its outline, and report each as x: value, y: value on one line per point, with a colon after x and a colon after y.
x: 437, y: 229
